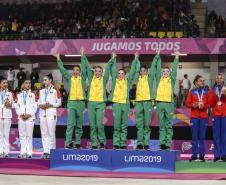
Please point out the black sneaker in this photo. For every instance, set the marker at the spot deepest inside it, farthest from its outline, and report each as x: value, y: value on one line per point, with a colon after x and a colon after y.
x: 70, y: 146
x: 48, y: 156
x: 216, y: 159
x: 78, y: 146
x: 146, y: 147
x: 193, y: 159
x: 44, y: 156
x: 21, y: 156
x: 102, y: 146
x: 123, y: 147
x: 167, y: 147
x: 202, y: 158
x: 115, y: 147
x: 223, y: 158
x: 29, y: 156
x: 162, y: 147
x: 94, y: 147
x: 6, y: 155
x: 139, y: 147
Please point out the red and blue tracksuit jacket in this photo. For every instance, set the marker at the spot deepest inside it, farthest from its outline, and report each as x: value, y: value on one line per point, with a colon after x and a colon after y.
x: 219, y: 122
x: 193, y: 100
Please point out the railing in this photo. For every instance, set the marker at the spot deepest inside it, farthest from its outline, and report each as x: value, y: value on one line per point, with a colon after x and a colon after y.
x: 94, y: 35
x: 178, y: 92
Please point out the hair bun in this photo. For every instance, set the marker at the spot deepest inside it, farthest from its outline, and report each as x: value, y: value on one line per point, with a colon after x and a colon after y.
x: 50, y: 76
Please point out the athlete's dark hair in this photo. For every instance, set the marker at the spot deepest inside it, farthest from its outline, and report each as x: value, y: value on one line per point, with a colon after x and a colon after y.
x: 197, y: 77
x: 122, y: 69
x: 78, y: 66
x: 144, y: 66
x: 2, y: 79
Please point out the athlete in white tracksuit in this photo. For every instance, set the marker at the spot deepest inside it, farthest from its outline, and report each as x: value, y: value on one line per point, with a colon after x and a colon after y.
x: 49, y: 100
x: 6, y: 103
x: 26, y: 108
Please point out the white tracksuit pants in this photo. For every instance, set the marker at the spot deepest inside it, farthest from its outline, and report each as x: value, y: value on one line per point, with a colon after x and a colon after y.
x: 48, y: 129
x: 5, y: 125
x: 26, y: 135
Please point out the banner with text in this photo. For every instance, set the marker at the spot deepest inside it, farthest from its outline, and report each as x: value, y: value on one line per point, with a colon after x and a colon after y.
x: 120, y: 46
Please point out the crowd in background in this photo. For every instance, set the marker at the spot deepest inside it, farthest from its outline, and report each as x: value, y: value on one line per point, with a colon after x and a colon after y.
x: 96, y: 19
x: 215, y: 23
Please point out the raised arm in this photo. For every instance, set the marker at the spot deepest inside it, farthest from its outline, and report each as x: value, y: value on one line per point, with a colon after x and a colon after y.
x: 60, y: 65
x: 152, y: 71
x: 137, y: 70
x: 83, y: 64
x: 174, y: 66
x: 113, y: 69
x: 88, y: 68
x: 158, y: 68
x: 108, y: 68
x: 135, y: 66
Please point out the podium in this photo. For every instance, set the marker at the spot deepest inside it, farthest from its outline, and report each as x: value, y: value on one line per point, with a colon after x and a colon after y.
x: 114, y: 160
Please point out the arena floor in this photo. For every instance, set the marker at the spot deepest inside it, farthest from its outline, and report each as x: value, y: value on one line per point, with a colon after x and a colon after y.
x: 48, y: 180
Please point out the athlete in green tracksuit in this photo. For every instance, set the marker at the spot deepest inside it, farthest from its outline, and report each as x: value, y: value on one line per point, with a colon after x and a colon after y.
x: 165, y: 81
x: 96, y: 102
x: 121, y: 106
x: 76, y: 100
x: 143, y: 102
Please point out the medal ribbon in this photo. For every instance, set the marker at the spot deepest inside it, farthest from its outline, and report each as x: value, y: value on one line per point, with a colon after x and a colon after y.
x: 47, y: 92
x: 219, y: 94
x: 3, y: 94
x: 25, y: 97
x: 200, y: 96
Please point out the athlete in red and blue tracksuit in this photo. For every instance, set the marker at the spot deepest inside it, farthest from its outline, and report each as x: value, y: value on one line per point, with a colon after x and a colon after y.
x: 219, y: 119
x: 198, y: 100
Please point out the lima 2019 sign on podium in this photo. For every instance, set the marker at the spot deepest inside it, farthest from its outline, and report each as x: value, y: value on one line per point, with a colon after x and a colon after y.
x: 114, y: 160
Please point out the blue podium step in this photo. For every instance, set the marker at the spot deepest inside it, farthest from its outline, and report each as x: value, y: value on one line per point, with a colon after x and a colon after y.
x: 114, y: 160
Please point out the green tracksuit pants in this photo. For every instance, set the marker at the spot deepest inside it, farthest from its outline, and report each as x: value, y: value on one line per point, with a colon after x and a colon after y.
x: 165, y: 113
x: 143, y: 111
x: 121, y: 115
x: 96, y: 112
x: 74, y: 118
